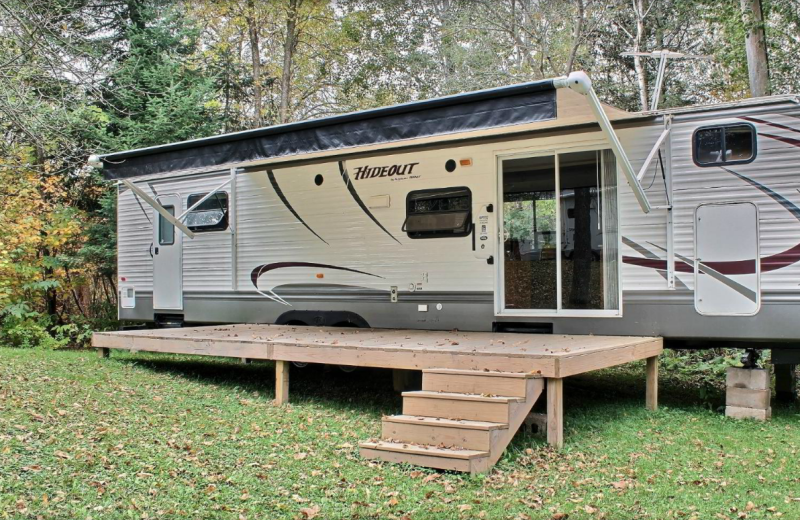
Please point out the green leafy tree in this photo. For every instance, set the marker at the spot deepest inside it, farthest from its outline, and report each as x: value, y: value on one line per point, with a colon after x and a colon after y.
x: 157, y: 90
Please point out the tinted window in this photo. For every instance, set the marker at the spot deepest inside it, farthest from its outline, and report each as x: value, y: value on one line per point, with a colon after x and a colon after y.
x: 708, y: 146
x: 738, y: 143
x: 729, y: 144
x: 166, y: 231
x: 211, y: 215
x: 438, y: 213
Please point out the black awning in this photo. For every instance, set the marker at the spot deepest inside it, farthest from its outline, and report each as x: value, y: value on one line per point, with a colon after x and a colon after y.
x: 504, y: 106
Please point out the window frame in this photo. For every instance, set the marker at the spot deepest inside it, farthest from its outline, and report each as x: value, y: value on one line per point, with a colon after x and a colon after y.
x: 170, y: 208
x: 725, y: 126
x: 469, y: 225
x: 213, y: 228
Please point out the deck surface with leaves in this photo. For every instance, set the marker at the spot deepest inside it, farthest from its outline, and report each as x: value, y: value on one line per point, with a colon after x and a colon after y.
x: 155, y: 436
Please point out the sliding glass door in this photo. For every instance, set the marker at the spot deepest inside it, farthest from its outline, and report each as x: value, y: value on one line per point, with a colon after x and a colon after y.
x: 560, y: 237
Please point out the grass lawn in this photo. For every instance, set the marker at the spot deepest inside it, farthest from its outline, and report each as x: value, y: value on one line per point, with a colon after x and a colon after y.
x: 148, y: 436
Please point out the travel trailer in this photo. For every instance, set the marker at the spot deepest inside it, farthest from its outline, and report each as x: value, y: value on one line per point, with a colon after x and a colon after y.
x: 531, y: 207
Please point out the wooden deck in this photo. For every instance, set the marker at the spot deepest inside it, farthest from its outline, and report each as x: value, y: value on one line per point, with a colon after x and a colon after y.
x: 546, y: 354
x: 478, y: 387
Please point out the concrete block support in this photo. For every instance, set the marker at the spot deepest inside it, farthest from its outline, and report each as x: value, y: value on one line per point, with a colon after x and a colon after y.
x: 747, y: 394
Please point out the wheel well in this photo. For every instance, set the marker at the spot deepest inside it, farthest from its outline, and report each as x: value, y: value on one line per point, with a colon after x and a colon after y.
x: 322, y: 319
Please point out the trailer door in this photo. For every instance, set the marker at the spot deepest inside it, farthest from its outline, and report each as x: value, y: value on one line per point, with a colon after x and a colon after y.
x: 167, y: 253
x: 727, y: 267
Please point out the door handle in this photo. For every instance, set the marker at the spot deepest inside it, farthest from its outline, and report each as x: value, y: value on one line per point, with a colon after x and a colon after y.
x: 156, y: 250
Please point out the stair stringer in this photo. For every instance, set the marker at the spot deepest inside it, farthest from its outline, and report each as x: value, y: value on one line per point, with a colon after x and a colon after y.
x: 503, y: 437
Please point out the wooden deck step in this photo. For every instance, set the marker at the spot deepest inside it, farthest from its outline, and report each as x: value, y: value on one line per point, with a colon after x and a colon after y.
x: 444, y: 423
x: 471, y: 461
x: 487, y: 373
x: 476, y: 382
x: 449, y: 405
x: 473, y: 435
x: 462, y: 396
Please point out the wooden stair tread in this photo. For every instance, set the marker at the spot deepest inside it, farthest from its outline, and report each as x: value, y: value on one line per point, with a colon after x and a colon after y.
x: 446, y: 423
x: 429, y: 394
x: 431, y: 451
x: 487, y: 373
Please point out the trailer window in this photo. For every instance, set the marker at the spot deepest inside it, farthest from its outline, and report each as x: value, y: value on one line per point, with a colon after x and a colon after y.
x: 721, y: 145
x: 166, y: 231
x: 211, y: 215
x: 438, y: 213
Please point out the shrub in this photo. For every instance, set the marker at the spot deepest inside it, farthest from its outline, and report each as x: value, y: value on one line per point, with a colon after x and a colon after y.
x: 22, y: 327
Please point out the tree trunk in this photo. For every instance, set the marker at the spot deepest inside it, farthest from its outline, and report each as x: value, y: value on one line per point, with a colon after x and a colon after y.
x: 288, y: 54
x: 756, y: 45
x: 581, y: 291
x: 638, y: 62
x: 577, y: 35
x: 518, y: 53
x: 255, y: 53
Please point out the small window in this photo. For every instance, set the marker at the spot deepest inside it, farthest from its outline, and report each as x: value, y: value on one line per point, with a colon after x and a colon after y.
x: 438, y: 213
x: 211, y: 215
x: 720, y: 145
x: 166, y: 231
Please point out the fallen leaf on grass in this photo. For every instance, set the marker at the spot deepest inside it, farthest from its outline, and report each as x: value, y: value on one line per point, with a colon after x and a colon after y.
x: 310, y: 512
x: 300, y: 456
x: 620, y: 485
x: 61, y: 455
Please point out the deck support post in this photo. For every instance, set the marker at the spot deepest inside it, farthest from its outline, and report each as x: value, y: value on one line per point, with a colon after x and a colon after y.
x: 103, y: 352
x: 651, y: 395
x: 555, y: 412
x: 400, y: 379
x: 281, y: 382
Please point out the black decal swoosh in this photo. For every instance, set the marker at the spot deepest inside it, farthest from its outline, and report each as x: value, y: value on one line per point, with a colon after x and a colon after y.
x: 261, y: 269
x: 787, y: 140
x: 286, y: 203
x: 780, y: 199
x: 769, y: 123
x: 360, y: 202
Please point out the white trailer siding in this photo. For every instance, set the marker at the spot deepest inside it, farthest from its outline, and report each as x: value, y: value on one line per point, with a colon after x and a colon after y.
x: 134, y: 237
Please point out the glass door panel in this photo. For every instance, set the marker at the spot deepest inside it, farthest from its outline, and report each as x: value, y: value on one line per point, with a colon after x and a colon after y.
x: 530, y: 259
x: 581, y: 231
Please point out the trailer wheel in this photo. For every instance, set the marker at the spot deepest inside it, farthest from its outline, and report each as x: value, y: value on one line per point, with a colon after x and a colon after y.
x: 347, y: 369
x: 298, y: 323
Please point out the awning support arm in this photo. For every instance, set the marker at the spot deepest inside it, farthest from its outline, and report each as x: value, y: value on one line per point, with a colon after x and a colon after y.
x: 580, y: 83
x: 652, y: 154
x: 205, y: 198
x: 158, y: 207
